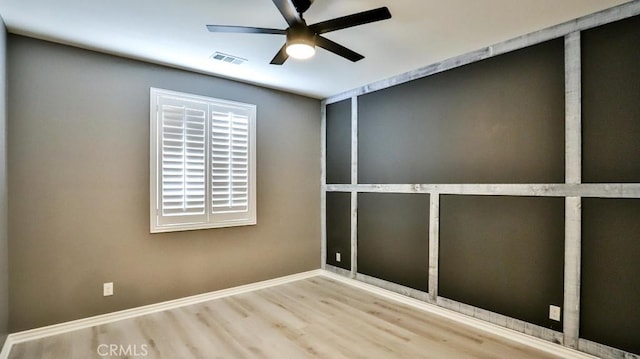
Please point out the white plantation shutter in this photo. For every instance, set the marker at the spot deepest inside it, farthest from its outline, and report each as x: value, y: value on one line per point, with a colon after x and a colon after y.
x: 203, y: 162
x: 229, y: 162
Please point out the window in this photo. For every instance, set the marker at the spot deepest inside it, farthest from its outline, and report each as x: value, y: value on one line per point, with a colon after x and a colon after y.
x: 202, y: 162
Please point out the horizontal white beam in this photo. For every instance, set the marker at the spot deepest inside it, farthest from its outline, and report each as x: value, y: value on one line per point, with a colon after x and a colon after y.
x: 394, y: 287
x: 603, y: 17
x: 604, y: 190
x: 502, y: 320
x: 337, y: 270
x: 604, y: 351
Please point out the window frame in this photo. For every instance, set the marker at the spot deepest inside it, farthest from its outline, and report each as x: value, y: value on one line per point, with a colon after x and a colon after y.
x: 160, y: 223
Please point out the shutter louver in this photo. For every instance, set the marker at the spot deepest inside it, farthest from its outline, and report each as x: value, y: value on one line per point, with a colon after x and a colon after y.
x: 229, y: 162
x: 183, y: 160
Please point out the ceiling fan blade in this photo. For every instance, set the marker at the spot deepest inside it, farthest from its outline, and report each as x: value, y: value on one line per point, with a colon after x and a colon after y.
x: 245, y: 29
x: 344, y: 22
x: 288, y: 11
x: 338, y: 49
x: 281, y: 56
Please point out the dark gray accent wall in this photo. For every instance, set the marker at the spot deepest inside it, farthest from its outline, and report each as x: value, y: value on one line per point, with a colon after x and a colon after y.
x: 4, y: 248
x: 500, y: 120
x: 339, y: 142
x: 339, y: 229
x: 79, y: 188
x: 393, y: 238
x: 611, y: 105
x: 503, y: 254
x: 611, y: 272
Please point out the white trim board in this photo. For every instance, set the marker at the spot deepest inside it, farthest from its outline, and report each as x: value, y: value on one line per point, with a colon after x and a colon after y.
x: 506, y: 333
x: 70, y: 326
x: 602, y: 190
x: 509, y: 334
x: 604, y: 351
x: 323, y: 182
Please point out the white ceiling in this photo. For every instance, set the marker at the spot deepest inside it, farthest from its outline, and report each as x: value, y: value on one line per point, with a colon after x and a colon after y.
x: 173, y: 32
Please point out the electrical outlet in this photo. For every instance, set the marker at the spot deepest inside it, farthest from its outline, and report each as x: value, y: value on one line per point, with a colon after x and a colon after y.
x: 107, y: 289
x: 554, y: 313
x: 338, y: 257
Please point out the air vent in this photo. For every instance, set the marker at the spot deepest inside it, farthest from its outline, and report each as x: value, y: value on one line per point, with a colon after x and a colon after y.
x: 219, y: 56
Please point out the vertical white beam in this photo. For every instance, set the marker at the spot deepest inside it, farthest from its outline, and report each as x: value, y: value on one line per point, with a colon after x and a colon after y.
x: 573, y: 175
x: 323, y: 183
x: 354, y: 234
x: 434, y: 244
x: 354, y: 181
x: 354, y: 140
x: 572, y: 251
x: 573, y: 110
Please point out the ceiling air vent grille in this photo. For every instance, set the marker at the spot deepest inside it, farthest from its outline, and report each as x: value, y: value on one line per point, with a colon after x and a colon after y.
x: 219, y: 56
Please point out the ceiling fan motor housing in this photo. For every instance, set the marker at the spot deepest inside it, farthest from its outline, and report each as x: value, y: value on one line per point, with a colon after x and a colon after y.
x: 301, y: 34
x: 302, y: 5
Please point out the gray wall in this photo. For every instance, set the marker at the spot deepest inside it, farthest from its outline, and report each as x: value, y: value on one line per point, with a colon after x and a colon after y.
x: 610, y: 107
x: 79, y: 188
x: 499, y: 120
x: 339, y: 142
x: 611, y: 144
x: 339, y: 229
x: 4, y: 256
x: 610, y: 270
x: 504, y: 254
x: 393, y: 238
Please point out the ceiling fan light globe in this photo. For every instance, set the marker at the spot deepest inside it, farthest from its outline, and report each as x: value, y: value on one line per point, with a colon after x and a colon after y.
x: 300, y: 51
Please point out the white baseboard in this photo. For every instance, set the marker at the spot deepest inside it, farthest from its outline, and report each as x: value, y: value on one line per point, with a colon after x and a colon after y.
x: 506, y: 333
x: 6, y: 348
x: 66, y: 327
x: 522, y: 338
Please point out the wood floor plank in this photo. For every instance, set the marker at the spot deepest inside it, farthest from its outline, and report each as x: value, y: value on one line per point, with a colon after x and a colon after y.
x: 312, y: 318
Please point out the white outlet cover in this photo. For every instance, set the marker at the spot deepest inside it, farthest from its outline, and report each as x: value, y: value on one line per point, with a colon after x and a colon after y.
x: 338, y: 257
x: 554, y: 313
x: 107, y: 289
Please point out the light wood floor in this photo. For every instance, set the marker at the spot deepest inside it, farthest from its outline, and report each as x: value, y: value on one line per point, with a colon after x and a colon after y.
x: 311, y: 318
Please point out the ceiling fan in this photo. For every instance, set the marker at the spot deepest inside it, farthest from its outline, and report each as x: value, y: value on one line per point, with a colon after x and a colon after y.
x: 302, y: 38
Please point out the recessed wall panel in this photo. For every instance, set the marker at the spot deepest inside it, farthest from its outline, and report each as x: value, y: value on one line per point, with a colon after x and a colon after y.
x: 339, y: 229
x: 339, y: 142
x: 393, y: 238
x: 503, y: 254
x: 500, y: 120
x: 610, y: 102
x: 610, y: 285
